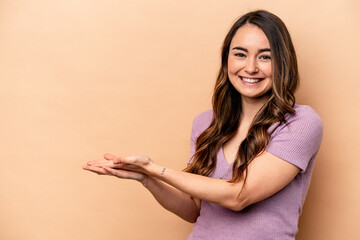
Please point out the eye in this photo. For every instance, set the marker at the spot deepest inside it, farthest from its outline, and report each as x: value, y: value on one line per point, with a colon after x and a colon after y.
x: 240, y: 55
x: 265, y: 57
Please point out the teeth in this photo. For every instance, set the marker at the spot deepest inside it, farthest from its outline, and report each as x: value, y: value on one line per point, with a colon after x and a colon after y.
x: 251, y: 80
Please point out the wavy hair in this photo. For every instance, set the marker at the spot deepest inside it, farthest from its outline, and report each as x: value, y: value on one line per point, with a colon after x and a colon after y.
x: 226, y: 100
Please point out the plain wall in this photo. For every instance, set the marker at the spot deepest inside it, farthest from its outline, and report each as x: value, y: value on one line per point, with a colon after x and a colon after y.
x: 82, y: 78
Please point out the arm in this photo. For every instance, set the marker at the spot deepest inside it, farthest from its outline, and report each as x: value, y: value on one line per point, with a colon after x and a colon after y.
x: 170, y: 198
x: 174, y: 200
x: 296, y: 142
x: 267, y: 175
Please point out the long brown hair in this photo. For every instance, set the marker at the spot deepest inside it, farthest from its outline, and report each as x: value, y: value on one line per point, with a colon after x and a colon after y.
x: 226, y: 100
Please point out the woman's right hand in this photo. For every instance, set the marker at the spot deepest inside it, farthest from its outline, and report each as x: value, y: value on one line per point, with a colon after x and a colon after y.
x: 135, y: 168
x: 107, y: 167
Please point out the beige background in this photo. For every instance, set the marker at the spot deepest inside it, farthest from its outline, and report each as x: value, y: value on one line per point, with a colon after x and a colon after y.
x: 81, y: 78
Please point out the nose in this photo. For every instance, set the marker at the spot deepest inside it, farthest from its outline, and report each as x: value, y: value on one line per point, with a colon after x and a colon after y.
x: 251, y: 66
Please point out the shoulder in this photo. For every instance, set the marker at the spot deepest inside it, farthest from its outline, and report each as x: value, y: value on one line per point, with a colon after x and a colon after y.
x: 299, y: 139
x: 302, y: 128
x: 204, y: 117
x: 202, y: 121
x: 304, y: 117
x: 306, y: 113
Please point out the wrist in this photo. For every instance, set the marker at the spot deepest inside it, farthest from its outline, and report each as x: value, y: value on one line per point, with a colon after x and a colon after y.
x: 145, y: 181
x: 156, y: 170
x: 163, y: 171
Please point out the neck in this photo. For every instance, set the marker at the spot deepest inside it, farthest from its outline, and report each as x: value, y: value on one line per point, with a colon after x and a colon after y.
x: 251, y: 106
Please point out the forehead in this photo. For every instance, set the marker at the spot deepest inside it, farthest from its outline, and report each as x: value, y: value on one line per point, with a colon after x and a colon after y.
x: 250, y: 36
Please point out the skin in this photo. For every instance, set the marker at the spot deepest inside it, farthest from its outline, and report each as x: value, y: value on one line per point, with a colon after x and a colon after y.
x: 181, y: 192
x: 249, y: 57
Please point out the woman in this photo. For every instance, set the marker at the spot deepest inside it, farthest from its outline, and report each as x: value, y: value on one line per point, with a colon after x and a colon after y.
x: 252, y: 154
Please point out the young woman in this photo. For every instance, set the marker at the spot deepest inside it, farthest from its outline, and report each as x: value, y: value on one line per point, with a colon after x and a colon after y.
x: 252, y: 154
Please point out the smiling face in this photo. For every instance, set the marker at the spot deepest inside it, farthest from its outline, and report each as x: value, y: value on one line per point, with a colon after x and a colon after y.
x: 249, y: 63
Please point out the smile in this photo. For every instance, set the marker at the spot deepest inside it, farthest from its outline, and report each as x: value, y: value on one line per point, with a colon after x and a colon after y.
x: 251, y: 80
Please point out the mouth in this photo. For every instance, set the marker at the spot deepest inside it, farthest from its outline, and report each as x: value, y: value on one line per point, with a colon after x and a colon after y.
x: 251, y: 81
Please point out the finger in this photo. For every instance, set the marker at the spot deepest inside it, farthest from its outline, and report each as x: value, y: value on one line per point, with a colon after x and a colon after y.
x: 97, y: 161
x: 126, y: 160
x: 103, y: 163
x: 129, y: 167
x: 132, y: 160
x: 109, y: 156
x: 124, y: 174
x: 91, y: 162
x: 94, y: 169
x: 119, y: 160
x: 108, y: 164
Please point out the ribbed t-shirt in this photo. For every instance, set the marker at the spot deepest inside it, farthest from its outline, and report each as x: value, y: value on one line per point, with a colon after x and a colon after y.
x: 276, y: 217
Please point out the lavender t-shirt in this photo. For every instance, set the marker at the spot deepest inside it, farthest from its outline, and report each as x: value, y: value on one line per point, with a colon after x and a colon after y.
x: 276, y: 217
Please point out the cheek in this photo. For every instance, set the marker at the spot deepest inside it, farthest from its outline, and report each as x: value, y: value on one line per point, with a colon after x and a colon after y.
x: 266, y: 68
x: 269, y: 86
x: 230, y: 66
x: 269, y: 72
x: 233, y: 65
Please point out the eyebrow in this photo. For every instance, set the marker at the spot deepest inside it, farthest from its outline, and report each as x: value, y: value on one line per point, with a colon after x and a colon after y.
x: 245, y: 50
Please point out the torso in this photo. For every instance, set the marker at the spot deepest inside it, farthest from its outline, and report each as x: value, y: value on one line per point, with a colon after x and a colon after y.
x: 231, y: 148
x: 275, y: 217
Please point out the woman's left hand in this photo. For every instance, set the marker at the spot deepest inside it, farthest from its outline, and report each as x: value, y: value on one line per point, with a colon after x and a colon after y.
x: 141, y: 163
x: 135, y: 166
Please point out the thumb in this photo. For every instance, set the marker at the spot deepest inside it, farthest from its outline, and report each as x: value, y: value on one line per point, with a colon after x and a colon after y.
x: 109, y: 156
x: 117, y: 160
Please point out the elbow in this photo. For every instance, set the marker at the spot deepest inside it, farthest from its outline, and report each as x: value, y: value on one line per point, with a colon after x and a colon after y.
x: 237, y: 207
x: 238, y: 203
x: 192, y: 220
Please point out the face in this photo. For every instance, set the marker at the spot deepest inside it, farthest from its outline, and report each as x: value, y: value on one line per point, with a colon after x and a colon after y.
x: 249, y: 63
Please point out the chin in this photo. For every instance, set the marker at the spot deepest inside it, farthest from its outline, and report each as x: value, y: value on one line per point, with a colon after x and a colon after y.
x: 256, y: 95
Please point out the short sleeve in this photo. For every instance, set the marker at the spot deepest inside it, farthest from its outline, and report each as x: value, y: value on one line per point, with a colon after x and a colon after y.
x: 298, y: 141
x: 200, y: 123
x: 192, y: 142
